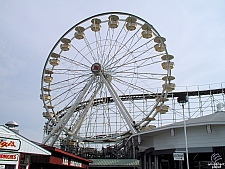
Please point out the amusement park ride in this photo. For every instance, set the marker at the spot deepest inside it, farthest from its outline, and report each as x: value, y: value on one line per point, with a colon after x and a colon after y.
x: 108, y: 77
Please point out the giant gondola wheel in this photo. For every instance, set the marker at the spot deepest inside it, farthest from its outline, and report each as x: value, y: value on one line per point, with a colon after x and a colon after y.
x: 106, y: 78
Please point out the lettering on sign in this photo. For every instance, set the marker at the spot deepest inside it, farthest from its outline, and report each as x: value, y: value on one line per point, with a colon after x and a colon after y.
x: 178, y: 156
x: 9, y: 144
x: 8, y: 156
x: 75, y: 163
x: 65, y: 160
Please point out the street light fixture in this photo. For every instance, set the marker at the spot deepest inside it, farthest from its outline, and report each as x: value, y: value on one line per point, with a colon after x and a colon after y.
x: 182, y: 99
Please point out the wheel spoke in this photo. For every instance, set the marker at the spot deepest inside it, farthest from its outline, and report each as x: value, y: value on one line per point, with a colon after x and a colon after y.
x: 101, y: 80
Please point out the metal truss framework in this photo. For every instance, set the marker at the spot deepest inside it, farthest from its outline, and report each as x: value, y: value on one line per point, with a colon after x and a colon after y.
x: 200, y: 103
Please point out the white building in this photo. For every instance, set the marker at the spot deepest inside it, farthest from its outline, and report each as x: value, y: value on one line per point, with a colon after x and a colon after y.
x: 205, y: 138
x: 15, y: 150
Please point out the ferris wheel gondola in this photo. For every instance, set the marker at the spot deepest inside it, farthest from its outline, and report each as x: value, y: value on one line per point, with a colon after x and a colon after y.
x: 97, y: 73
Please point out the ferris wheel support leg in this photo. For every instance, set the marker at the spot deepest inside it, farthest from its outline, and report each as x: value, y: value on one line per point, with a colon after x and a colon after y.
x: 61, y: 124
x: 77, y: 126
x: 120, y: 105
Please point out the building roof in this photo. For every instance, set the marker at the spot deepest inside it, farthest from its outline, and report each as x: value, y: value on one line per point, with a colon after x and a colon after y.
x: 217, y: 118
x: 54, y: 149
x: 115, y: 162
x: 24, y: 145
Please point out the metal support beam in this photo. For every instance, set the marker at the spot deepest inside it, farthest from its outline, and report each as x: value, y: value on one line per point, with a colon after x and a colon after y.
x: 150, y: 161
x: 77, y: 126
x: 119, y: 104
x: 156, y: 162
x: 145, y: 162
x: 54, y: 134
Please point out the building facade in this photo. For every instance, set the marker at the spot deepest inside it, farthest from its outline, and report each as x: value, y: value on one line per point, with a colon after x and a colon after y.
x: 164, y: 147
x: 16, y: 150
x: 59, y: 159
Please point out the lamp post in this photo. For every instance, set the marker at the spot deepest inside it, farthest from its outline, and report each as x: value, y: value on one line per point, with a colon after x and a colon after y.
x: 182, y: 100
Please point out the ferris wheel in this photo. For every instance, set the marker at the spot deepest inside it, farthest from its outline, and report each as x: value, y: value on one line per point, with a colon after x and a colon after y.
x: 106, y: 78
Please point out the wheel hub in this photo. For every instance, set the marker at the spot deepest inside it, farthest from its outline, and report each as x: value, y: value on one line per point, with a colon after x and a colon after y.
x: 96, y: 68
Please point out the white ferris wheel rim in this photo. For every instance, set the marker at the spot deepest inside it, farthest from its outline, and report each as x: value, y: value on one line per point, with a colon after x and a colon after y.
x: 123, y: 63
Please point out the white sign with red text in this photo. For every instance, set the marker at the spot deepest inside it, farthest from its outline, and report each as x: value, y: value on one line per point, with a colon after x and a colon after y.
x: 5, y: 156
x: 178, y: 156
x: 75, y: 163
x: 9, y: 144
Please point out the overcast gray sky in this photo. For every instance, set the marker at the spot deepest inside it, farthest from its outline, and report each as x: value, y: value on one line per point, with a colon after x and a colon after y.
x: 29, y: 29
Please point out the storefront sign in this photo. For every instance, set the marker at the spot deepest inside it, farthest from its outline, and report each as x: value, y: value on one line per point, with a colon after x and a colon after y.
x: 65, y: 161
x: 178, y: 156
x: 75, y: 163
x: 9, y: 144
x: 2, y: 166
x: 8, y: 156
